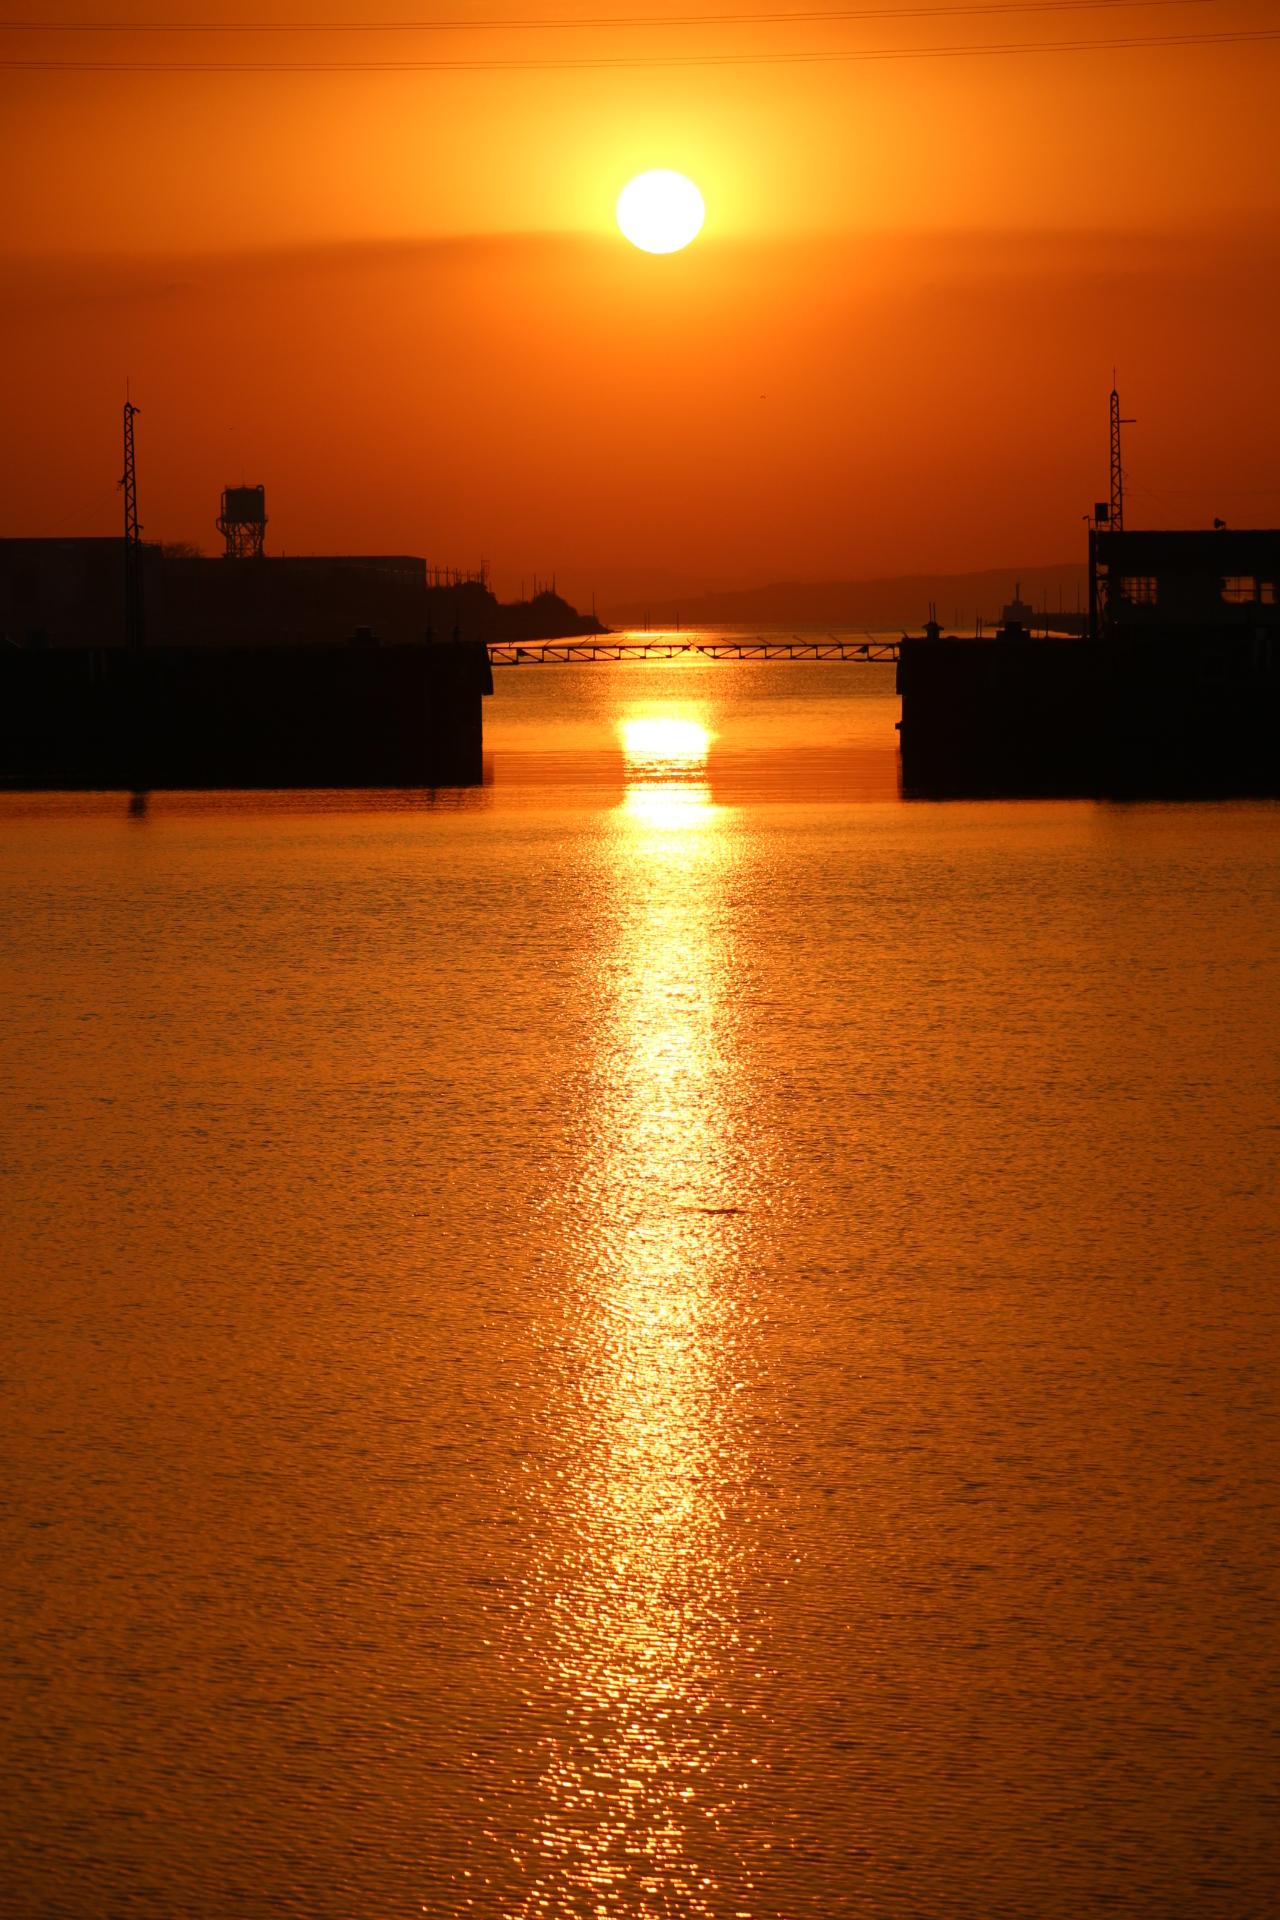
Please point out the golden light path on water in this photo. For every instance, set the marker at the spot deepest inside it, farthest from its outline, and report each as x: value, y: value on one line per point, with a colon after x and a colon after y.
x: 642, y: 1587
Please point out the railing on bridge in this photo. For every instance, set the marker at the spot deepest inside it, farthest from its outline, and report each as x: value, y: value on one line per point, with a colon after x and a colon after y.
x: 869, y: 650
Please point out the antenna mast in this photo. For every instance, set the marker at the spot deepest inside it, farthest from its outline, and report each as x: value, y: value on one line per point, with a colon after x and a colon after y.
x: 132, y: 536
x: 1116, y: 521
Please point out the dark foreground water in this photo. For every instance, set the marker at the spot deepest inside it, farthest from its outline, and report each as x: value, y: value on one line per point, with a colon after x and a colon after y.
x: 676, y: 1337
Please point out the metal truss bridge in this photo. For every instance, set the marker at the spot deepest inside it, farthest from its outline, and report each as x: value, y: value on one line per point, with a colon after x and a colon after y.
x: 868, y: 651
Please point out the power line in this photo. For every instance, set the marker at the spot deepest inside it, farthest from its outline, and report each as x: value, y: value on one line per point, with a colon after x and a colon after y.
x: 981, y: 8
x: 1199, y: 493
x: 623, y: 62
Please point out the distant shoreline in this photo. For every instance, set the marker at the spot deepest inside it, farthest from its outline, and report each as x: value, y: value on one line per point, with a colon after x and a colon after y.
x: 882, y: 604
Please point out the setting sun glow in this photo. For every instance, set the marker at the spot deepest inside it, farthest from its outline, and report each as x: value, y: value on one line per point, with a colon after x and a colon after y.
x: 660, y: 211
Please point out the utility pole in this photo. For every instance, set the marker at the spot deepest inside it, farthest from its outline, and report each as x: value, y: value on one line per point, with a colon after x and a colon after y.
x: 1115, y: 523
x: 133, y: 624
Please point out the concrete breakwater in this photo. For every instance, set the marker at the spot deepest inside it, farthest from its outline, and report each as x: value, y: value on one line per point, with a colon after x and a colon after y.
x: 247, y: 716
x: 1165, y: 717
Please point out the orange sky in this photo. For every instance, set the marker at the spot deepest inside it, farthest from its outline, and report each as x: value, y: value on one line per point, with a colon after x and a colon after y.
x: 398, y: 298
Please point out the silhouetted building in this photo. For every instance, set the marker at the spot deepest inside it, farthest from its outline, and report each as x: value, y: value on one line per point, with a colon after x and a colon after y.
x: 322, y: 670
x: 1221, y: 584
x: 286, y: 601
x: 1175, y: 692
x: 71, y: 593
x: 66, y: 593
x: 261, y: 673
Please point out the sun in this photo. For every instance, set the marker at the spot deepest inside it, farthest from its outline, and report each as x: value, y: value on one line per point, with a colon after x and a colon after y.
x: 660, y: 211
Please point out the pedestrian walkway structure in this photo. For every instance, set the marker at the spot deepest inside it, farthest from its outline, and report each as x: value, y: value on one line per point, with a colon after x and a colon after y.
x: 870, y: 650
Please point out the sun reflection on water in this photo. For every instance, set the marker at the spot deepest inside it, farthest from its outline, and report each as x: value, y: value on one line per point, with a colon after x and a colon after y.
x: 669, y: 808
x: 665, y: 756
x: 643, y: 1765
x: 664, y: 747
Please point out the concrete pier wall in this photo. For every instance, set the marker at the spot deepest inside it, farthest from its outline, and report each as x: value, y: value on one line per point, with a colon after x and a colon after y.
x: 1164, y: 717
x: 250, y: 716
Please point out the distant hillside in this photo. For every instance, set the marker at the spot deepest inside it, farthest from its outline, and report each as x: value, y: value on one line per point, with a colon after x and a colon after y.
x: 475, y: 613
x: 901, y: 601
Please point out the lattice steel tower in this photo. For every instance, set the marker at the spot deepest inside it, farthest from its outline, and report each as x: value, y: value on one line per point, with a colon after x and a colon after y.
x: 1116, y: 521
x: 133, y: 623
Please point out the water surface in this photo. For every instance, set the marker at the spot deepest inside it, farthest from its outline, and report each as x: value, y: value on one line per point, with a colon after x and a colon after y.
x: 675, y: 1335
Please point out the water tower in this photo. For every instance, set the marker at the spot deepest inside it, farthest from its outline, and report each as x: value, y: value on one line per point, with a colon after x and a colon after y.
x: 243, y: 521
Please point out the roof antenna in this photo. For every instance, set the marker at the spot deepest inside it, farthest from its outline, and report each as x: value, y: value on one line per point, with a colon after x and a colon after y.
x: 133, y: 623
x: 1116, y: 521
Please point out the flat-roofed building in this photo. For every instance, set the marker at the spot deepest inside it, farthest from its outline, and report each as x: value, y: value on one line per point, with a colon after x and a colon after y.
x: 1194, y: 585
x: 64, y: 593
x: 70, y: 593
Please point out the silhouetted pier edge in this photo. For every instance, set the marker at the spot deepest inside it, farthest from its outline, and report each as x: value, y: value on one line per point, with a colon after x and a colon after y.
x: 362, y: 715
x: 249, y: 673
x: 1174, y: 693
x: 126, y: 666
x: 1011, y: 717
